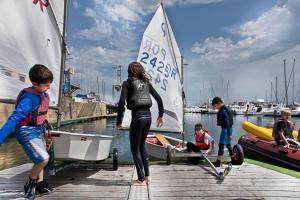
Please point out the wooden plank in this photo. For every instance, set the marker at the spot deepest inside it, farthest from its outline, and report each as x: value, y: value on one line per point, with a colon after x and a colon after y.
x: 176, y: 181
x: 225, y: 198
x: 138, y: 192
x: 74, y: 182
x: 228, y: 193
x: 243, y: 182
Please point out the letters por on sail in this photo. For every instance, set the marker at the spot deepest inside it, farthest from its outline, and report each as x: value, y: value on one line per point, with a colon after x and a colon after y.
x: 30, y: 33
x: 160, y: 56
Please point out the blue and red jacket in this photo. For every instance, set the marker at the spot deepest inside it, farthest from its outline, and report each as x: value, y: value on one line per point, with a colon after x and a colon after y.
x: 29, y: 115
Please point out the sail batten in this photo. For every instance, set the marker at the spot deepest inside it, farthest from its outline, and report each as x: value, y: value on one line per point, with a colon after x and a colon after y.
x: 160, y: 56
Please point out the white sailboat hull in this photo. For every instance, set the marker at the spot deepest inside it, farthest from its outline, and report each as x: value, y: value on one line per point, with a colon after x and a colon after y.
x: 77, y: 146
x: 160, y: 152
x: 177, y: 153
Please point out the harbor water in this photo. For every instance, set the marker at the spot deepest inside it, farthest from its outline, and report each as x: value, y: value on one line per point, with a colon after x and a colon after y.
x: 11, y: 153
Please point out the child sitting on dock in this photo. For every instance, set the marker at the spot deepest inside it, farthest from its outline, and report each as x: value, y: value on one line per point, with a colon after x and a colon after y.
x: 203, y: 142
x: 283, y: 130
x: 28, y: 119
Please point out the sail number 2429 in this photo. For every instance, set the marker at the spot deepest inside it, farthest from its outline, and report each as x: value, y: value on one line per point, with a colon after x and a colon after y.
x: 158, y: 71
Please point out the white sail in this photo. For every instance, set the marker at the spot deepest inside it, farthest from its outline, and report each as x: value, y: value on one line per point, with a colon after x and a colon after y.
x: 30, y: 33
x: 160, y: 56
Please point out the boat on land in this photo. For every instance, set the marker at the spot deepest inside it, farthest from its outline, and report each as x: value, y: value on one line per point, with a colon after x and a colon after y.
x: 260, y: 141
x: 170, y: 149
x: 43, y: 41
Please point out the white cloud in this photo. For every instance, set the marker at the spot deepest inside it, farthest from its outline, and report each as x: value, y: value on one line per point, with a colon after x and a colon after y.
x: 75, y: 4
x: 92, y: 62
x: 99, y: 58
x: 98, y: 2
x: 269, y: 34
x: 251, y: 58
x: 134, y: 10
x: 100, y: 31
x: 187, y: 2
x: 90, y: 13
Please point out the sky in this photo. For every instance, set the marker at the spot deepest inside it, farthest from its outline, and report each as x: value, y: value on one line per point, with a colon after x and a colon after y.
x: 231, y: 48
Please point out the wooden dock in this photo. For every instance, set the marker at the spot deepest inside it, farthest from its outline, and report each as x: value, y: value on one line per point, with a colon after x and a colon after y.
x: 176, y: 181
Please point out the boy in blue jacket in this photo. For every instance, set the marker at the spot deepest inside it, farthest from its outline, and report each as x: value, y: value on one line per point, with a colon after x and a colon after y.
x: 225, y: 120
x: 28, y: 119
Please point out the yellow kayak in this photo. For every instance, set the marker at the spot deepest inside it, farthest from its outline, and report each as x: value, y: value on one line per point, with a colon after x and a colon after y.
x: 261, y: 131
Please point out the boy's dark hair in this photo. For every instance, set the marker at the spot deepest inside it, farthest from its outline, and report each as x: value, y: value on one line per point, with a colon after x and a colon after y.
x: 40, y: 74
x: 216, y: 100
x: 198, y: 126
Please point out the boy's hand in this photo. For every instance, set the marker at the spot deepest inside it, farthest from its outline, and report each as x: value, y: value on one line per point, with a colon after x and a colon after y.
x: 286, y: 146
x: 229, y: 137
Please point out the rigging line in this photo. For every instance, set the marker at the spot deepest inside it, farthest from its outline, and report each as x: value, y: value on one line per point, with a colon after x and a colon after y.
x: 62, y: 64
x: 57, y: 25
x: 298, y: 92
x: 169, y: 37
x: 291, y: 74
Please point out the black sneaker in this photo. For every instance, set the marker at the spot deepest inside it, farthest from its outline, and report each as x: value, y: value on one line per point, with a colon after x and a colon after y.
x: 217, y: 163
x: 43, y: 188
x: 30, y: 189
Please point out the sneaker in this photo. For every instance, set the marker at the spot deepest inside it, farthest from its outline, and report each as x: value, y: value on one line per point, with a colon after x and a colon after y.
x: 43, y: 188
x: 217, y: 163
x: 30, y: 189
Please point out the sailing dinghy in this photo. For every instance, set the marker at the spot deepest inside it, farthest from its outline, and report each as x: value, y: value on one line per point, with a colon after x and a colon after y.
x: 34, y: 32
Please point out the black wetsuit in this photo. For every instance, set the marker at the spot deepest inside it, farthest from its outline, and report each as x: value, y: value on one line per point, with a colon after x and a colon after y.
x: 139, y: 127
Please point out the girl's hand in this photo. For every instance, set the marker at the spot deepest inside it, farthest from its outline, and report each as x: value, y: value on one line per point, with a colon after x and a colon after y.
x: 159, y: 122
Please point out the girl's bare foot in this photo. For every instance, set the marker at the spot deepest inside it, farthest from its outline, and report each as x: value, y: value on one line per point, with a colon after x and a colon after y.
x: 147, y: 179
x: 137, y: 183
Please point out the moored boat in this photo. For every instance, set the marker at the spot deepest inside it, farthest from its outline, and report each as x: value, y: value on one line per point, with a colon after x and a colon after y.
x: 260, y: 140
x: 261, y: 131
x: 266, y: 147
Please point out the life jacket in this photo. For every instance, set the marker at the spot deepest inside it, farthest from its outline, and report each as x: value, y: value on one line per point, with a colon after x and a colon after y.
x: 138, y: 95
x: 230, y: 116
x: 200, y: 141
x: 288, y: 134
x: 38, y: 115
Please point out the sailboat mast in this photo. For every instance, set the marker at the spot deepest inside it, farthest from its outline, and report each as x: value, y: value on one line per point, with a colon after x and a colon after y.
x: 294, y: 81
x: 174, y: 58
x: 62, y: 64
x: 271, y: 95
x: 285, y: 84
x: 227, y: 89
x: 276, y: 96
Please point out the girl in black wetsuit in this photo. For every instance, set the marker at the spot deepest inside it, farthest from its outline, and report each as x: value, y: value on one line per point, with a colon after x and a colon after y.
x: 136, y: 91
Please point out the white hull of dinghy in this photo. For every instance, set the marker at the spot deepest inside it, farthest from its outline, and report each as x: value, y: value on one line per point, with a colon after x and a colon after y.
x: 161, y: 152
x: 78, y: 146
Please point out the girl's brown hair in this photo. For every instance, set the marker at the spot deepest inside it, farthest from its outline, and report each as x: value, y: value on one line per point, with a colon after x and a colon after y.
x: 135, y: 69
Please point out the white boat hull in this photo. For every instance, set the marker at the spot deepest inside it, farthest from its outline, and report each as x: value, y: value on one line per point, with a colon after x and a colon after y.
x: 77, y: 146
x: 160, y: 152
